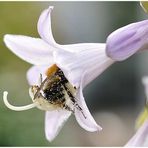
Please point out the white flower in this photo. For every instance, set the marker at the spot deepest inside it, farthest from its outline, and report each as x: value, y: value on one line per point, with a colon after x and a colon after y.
x: 140, y: 138
x: 59, y: 74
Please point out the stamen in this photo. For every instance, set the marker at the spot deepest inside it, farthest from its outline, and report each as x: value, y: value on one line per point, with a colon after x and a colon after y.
x: 16, y: 108
x: 40, y: 79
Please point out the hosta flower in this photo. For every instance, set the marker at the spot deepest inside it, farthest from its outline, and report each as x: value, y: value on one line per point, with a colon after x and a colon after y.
x: 127, y: 40
x: 59, y: 74
x: 141, y: 136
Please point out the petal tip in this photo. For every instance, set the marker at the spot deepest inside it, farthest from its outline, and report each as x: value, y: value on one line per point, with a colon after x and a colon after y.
x: 145, y: 80
x: 49, y: 138
x: 51, y: 8
x: 7, y: 40
x: 99, y: 128
x: 6, y: 36
x: 96, y: 129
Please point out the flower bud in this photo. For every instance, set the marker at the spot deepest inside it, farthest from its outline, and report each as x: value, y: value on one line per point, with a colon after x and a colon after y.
x: 124, y: 42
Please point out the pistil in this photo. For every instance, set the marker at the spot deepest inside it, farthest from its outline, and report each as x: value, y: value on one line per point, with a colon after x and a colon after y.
x: 16, y: 108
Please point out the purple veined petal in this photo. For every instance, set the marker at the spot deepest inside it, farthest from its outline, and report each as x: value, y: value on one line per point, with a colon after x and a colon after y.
x: 33, y: 74
x: 45, y: 31
x: 127, y: 40
x: 85, y: 119
x: 44, y: 26
x: 93, y: 60
x: 140, y: 138
x: 64, y: 61
x: 32, y: 50
x: 54, y: 121
x: 82, y: 46
x: 97, y: 70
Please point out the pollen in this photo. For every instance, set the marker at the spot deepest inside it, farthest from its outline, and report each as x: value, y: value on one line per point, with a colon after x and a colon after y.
x: 51, y: 70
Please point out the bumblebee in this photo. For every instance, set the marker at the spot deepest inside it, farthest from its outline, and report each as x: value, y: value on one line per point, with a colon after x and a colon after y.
x: 54, y: 92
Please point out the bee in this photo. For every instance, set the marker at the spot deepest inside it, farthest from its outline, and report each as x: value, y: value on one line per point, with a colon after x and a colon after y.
x: 54, y: 92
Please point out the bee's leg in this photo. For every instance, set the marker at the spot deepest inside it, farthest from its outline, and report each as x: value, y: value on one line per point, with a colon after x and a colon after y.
x: 73, y: 101
x: 68, y: 108
x: 80, y: 109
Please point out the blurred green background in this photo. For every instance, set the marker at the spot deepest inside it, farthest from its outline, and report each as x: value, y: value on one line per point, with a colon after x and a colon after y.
x: 114, y: 99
